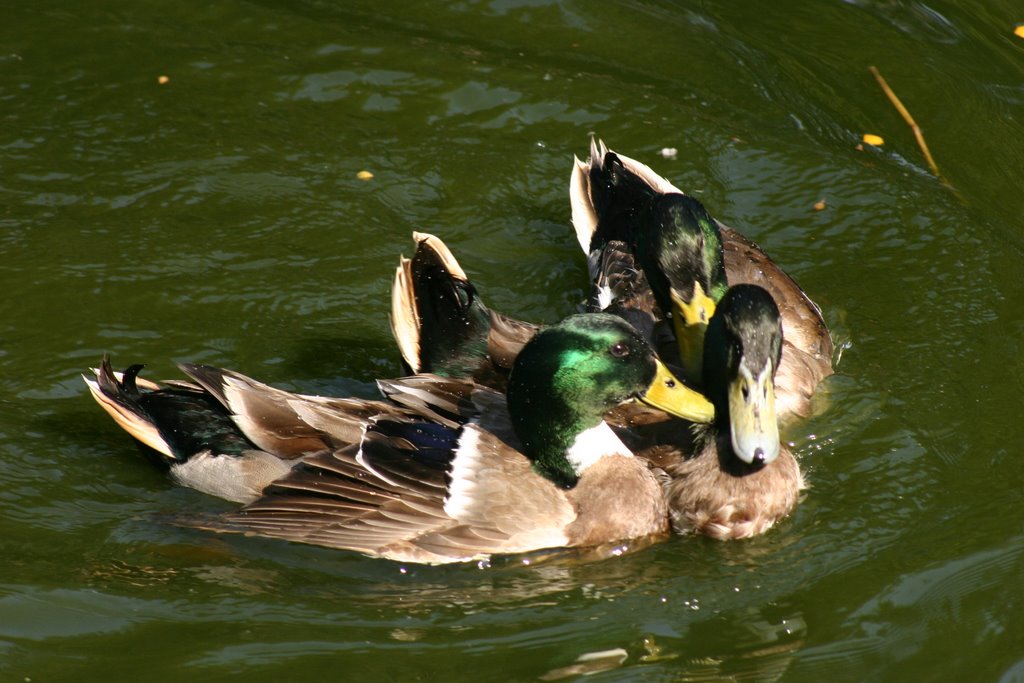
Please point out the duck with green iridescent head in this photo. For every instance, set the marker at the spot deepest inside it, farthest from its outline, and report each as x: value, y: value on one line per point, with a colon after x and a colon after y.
x: 690, y: 259
x: 676, y: 245
x: 443, y: 470
x: 730, y: 479
x: 634, y: 226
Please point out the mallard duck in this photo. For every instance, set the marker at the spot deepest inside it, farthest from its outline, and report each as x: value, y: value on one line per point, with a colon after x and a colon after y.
x: 737, y: 480
x: 615, y: 198
x: 444, y: 470
x: 731, y: 479
x: 442, y: 326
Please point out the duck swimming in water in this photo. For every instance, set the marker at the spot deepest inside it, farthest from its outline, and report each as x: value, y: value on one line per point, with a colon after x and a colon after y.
x: 443, y: 470
x: 729, y: 479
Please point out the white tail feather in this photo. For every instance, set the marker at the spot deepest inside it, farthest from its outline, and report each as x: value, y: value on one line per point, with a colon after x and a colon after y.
x: 140, y: 428
x: 405, y: 321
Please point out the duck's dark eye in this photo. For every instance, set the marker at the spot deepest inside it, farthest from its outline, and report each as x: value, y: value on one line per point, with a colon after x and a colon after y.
x: 619, y: 350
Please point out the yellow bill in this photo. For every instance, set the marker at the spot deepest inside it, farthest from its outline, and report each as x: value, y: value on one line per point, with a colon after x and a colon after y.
x: 753, y: 424
x: 668, y: 393
x: 691, y: 321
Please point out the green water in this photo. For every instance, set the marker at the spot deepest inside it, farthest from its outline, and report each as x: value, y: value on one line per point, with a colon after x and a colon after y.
x: 218, y: 218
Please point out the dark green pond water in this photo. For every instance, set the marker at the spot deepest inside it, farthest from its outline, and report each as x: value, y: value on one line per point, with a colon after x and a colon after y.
x: 218, y: 218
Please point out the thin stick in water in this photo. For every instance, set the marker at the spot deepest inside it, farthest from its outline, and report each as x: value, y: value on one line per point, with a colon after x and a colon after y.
x: 908, y: 118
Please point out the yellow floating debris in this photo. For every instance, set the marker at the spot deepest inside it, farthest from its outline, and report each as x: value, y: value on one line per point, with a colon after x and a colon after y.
x: 364, y: 175
x: 819, y: 205
x: 1019, y: 31
x: 163, y: 80
x: 875, y: 140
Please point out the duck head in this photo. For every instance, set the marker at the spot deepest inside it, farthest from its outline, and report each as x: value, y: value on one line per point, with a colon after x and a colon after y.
x: 742, y: 349
x: 570, y: 374
x: 679, y: 247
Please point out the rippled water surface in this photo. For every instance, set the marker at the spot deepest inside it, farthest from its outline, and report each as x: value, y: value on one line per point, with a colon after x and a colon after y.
x: 219, y: 218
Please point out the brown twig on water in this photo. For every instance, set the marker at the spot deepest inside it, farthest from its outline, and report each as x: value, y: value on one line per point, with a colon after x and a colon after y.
x: 908, y: 118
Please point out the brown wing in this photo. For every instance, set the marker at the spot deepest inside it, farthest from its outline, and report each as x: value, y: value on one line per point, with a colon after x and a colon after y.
x: 403, y: 495
x: 803, y: 325
x: 265, y: 415
x: 374, y: 500
x: 443, y: 400
x: 807, y: 348
x: 796, y: 381
x: 505, y: 340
